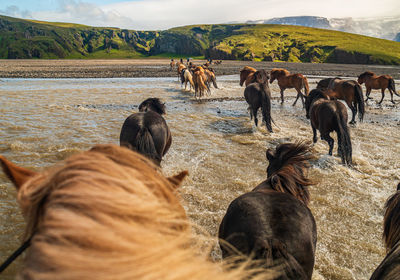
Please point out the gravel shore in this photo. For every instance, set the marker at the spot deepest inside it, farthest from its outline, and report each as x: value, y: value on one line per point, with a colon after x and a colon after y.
x: 160, y: 68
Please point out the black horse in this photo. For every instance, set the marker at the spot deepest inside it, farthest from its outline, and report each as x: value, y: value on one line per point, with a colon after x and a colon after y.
x: 147, y: 132
x: 273, y: 224
x: 329, y: 115
x: 257, y: 94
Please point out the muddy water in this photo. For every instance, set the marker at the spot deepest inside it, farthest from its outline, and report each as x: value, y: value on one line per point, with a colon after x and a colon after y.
x: 44, y: 121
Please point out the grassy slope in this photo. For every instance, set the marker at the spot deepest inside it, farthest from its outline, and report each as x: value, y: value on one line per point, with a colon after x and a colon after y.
x: 245, y: 42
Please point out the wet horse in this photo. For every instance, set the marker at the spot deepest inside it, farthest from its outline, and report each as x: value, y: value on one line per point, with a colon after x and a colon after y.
x: 272, y: 223
x: 389, y: 269
x: 287, y: 80
x: 186, y: 77
x: 382, y: 82
x: 257, y: 94
x: 200, y: 82
x: 179, y: 69
x: 326, y: 116
x: 349, y: 91
x: 147, y: 132
x: 246, y: 75
x: 210, y: 74
x: 109, y: 213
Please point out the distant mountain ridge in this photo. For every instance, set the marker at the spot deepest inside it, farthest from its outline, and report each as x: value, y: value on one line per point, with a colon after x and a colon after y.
x: 259, y: 42
x: 384, y: 28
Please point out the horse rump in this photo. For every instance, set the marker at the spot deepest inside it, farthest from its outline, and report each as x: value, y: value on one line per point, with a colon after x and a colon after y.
x: 144, y: 144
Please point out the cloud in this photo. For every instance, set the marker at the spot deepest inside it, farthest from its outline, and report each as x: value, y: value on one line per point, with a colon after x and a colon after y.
x: 14, y: 11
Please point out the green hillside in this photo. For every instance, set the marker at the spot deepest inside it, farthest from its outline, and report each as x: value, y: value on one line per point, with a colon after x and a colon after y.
x: 35, y: 39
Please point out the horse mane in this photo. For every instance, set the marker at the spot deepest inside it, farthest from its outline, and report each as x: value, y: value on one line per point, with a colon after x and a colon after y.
x: 367, y: 73
x: 286, y: 170
x: 109, y: 213
x: 279, y: 72
x: 154, y: 104
x: 199, y: 68
x: 391, y: 220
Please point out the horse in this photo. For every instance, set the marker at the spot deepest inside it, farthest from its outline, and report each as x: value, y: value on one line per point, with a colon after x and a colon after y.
x: 109, y: 213
x: 287, y: 80
x: 246, y: 75
x: 349, y: 91
x: 186, y: 77
x: 200, y: 82
x: 258, y: 95
x: 389, y: 268
x: 382, y: 82
x: 272, y: 223
x: 179, y: 68
x: 146, y: 131
x: 324, y: 83
x: 211, y: 77
x: 172, y: 64
x: 329, y: 115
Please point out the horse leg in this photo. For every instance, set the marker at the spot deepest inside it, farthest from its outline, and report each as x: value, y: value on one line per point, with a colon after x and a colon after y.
x: 354, y: 113
x: 314, y: 130
x: 391, y: 96
x: 383, y: 95
x: 255, y: 116
x: 299, y: 94
x: 368, y: 93
x: 251, y: 112
x: 282, y: 100
x: 330, y: 141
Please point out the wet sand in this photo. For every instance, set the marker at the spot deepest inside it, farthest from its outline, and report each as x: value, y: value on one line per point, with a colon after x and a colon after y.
x: 130, y: 68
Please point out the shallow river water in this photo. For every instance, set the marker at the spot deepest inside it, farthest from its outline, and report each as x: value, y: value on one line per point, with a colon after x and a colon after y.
x: 44, y: 121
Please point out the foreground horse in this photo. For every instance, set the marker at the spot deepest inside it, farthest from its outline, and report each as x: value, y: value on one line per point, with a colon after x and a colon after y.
x: 389, y: 269
x: 147, y: 132
x: 287, y: 80
x: 258, y: 95
x: 273, y: 223
x: 349, y: 91
x: 327, y: 116
x: 382, y: 82
x: 108, y: 213
x: 246, y: 75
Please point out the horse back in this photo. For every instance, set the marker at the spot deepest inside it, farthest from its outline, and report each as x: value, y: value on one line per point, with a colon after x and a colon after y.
x: 256, y: 220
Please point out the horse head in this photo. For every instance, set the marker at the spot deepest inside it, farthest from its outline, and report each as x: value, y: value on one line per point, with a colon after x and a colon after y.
x: 260, y: 77
x: 246, y: 71
x: 286, y: 169
x: 152, y: 104
x: 361, y: 79
x: 311, y: 97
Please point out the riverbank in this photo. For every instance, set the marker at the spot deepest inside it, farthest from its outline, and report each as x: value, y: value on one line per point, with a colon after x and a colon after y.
x: 129, y: 68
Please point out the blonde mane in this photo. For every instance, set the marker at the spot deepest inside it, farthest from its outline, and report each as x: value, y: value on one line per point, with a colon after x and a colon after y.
x: 279, y: 72
x: 109, y: 213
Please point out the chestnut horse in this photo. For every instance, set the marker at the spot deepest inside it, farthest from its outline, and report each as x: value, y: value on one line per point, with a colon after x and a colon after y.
x: 246, y: 75
x: 351, y: 92
x: 109, y: 213
x: 147, y: 132
x: 272, y: 223
x: 287, y: 80
x: 382, y: 82
x: 186, y: 77
x: 211, y: 77
x: 179, y: 68
x: 329, y: 115
x: 172, y: 64
x: 200, y: 82
x: 390, y: 266
x: 258, y: 95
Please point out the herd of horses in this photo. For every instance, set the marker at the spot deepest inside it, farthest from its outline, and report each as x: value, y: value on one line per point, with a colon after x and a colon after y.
x: 110, y: 213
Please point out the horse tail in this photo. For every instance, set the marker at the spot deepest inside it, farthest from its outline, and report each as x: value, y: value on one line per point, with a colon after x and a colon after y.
x: 202, y: 85
x: 266, y: 107
x: 306, y: 87
x: 275, y: 254
x: 359, y: 100
x: 145, y: 145
x: 190, y: 78
x: 345, y: 141
x: 183, y: 76
x: 214, y: 81
x: 392, y: 86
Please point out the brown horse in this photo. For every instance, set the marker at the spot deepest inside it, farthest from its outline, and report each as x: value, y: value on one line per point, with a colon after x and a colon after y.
x: 211, y: 77
x: 172, y: 64
x: 273, y: 223
x: 287, y: 80
x: 382, y: 82
x: 258, y: 95
x: 246, y: 75
x: 147, y: 132
x: 109, y: 213
x: 389, y: 268
x: 179, y: 68
x: 200, y: 82
x: 329, y: 115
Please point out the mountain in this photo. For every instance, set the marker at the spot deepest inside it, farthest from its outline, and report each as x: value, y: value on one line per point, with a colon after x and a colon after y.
x: 269, y: 42
x: 397, y: 38
x: 384, y: 27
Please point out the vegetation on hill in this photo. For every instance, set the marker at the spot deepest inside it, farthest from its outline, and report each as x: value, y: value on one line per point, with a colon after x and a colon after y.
x: 269, y: 42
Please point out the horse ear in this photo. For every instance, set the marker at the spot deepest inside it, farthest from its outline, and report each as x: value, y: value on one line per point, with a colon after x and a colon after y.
x: 177, y: 179
x: 270, y: 155
x: 17, y: 175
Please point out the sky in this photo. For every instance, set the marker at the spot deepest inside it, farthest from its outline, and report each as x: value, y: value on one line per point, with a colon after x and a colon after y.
x: 164, y: 14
